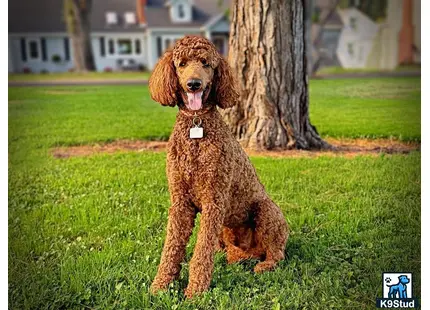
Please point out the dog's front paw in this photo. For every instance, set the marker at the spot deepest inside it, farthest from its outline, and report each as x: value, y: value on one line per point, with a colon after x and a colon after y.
x: 158, y: 285
x: 190, y: 292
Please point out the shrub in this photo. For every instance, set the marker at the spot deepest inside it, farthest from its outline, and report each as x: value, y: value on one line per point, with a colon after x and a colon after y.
x: 107, y: 69
x: 142, y: 67
x: 26, y: 70
x: 56, y: 58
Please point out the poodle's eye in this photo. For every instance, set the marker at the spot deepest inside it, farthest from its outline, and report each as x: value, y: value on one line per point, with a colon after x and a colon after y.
x: 205, y: 64
x: 182, y: 64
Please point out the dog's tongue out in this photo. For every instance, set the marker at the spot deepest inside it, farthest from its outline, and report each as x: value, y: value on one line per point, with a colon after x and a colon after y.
x: 194, y: 101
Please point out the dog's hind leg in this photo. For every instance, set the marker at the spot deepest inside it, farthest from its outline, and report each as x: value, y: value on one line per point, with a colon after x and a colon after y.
x: 239, y: 244
x: 271, y: 233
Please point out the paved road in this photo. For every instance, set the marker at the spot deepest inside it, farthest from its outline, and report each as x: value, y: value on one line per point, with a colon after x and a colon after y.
x: 144, y: 82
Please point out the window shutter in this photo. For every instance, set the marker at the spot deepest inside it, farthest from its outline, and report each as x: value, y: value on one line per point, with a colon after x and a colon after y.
x: 159, y: 47
x: 137, y: 46
x: 67, y: 49
x: 43, y: 45
x: 102, y: 47
x: 23, y: 50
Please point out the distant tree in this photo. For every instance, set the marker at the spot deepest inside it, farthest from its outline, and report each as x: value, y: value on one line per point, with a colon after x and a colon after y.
x: 375, y: 9
x: 268, y: 56
x: 317, y: 43
x: 77, y: 14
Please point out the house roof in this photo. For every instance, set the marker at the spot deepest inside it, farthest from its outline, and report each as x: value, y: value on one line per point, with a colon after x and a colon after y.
x: 324, y: 8
x: 36, y: 16
x: 157, y: 13
x: 28, y: 16
x: 333, y: 20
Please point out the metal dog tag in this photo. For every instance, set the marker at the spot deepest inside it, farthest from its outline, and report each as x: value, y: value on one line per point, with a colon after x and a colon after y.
x: 196, y: 132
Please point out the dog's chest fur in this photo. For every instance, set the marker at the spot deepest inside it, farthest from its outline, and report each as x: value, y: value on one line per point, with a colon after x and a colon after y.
x: 198, y: 161
x: 210, y: 167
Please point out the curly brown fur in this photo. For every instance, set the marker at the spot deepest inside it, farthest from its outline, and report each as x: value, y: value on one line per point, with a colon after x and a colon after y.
x: 211, y: 175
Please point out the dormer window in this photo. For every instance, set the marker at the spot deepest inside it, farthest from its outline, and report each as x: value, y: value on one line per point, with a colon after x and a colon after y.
x: 130, y: 18
x: 111, y: 18
x: 180, y: 11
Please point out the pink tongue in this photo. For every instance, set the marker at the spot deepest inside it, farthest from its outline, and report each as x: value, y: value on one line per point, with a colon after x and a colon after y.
x: 194, y: 101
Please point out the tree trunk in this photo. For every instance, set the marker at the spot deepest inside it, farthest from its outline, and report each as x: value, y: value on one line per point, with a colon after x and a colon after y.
x: 78, y: 15
x: 267, y: 54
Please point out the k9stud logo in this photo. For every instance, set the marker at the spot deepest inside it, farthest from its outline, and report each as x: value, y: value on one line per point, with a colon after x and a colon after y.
x: 397, y: 291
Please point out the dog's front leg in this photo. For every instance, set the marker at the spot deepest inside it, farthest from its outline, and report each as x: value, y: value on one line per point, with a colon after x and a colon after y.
x: 179, y: 228
x: 201, y: 264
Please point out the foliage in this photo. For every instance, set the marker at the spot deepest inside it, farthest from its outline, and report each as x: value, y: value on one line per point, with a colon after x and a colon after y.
x: 376, y: 10
x: 56, y: 58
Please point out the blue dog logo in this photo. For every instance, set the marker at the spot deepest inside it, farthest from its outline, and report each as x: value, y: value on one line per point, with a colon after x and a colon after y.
x: 399, y: 290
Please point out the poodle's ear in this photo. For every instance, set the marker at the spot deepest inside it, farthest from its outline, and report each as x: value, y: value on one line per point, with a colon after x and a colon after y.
x: 226, y: 93
x: 163, y: 83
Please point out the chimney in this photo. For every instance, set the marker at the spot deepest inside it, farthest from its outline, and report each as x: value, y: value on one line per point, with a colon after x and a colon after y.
x: 406, y: 36
x: 140, y: 9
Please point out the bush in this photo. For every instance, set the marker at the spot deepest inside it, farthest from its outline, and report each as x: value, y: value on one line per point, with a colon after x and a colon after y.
x: 107, y: 69
x: 56, y: 58
x: 142, y: 67
x: 44, y: 71
x: 26, y: 70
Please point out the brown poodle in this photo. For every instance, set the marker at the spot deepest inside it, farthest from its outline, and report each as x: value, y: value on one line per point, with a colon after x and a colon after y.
x: 209, y: 172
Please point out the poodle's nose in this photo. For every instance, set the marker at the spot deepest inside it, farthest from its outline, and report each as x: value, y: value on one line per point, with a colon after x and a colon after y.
x: 194, y: 84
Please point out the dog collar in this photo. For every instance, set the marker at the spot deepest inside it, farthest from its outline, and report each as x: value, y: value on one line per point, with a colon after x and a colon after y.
x: 189, y: 113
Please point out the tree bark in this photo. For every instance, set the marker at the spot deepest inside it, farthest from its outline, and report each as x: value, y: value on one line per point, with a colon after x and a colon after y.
x: 78, y: 15
x: 267, y: 55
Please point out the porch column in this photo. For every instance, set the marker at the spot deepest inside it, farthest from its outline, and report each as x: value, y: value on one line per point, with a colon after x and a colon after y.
x: 208, y: 35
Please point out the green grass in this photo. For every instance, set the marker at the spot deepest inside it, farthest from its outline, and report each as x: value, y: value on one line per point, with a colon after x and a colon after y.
x: 339, y: 70
x: 88, y: 232
x: 74, y: 76
x: 369, y: 108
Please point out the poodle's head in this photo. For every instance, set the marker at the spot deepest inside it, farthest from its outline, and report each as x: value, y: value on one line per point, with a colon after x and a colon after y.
x: 194, y: 76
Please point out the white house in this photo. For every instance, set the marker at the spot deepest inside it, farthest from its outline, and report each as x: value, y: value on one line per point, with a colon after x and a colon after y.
x: 356, y: 38
x: 364, y: 43
x: 124, y: 33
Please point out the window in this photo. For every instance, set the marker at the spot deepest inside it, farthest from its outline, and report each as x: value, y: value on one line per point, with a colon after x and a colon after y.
x: 130, y: 18
x: 167, y: 43
x: 111, y: 47
x: 181, y: 12
x: 353, y: 23
x: 111, y: 18
x: 124, y: 47
x: 351, y: 49
x: 33, y: 48
x: 159, y: 47
x: 219, y: 44
x: 137, y: 47
x: 121, y: 46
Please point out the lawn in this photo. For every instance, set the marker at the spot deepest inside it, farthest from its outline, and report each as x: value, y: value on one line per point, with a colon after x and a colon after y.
x: 88, y: 232
x: 75, y: 76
